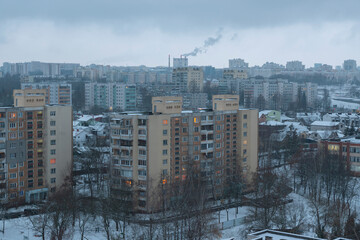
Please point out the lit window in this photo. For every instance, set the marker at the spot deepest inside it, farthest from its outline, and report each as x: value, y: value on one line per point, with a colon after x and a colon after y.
x: 165, y: 121
x: 245, y: 142
x: 52, y: 161
x: 195, y: 120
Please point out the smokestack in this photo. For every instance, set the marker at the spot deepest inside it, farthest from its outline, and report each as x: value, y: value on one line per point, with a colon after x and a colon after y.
x: 169, y: 61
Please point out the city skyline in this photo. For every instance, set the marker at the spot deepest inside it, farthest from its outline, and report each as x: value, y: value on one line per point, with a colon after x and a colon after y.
x: 144, y: 33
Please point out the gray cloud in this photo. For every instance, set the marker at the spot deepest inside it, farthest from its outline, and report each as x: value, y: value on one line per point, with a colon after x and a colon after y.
x: 207, y: 43
x: 180, y: 16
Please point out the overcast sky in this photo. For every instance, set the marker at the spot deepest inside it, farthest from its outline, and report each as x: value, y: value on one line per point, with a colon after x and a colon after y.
x: 144, y: 32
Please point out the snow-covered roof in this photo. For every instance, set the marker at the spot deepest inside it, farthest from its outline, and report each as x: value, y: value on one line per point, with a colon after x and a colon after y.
x: 85, y: 118
x: 351, y: 140
x: 285, y: 118
x: 325, y: 123
x: 265, y: 112
x: 273, y: 123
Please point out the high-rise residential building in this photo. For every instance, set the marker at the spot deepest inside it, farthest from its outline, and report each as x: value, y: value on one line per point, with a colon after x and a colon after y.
x: 150, y: 149
x: 189, y: 79
x: 295, y: 66
x: 56, y: 93
x: 238, y: 63
x: 180, y: 62
x: 230, y: 83
x: 277, y: 93
x: 37, y: 68
x: 110, y: 96
x: 35, y: 147
x: 349, y: 65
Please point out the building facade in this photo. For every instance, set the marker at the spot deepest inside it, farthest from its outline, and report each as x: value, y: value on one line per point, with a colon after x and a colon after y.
x: 56, y: 93
x: 189, y: 79
x: 162, y: 147
x: 35, y: 147
x: 110, y: 96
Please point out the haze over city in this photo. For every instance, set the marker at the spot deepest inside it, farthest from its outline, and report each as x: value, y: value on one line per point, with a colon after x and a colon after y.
x: 144, y: 32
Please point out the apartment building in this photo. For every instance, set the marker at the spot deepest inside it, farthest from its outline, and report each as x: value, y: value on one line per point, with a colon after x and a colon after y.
x: 231, y: 81
x: 35, y: 147
x: 148, y: 149
x: 56, y: 93
x: 348, y: 148
x: 277, y: 93
x: 188, y: 79
x: 110, y: 96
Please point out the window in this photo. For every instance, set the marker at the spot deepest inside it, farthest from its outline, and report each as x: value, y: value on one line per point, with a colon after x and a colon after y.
x: 164, y: 171
x: 52, y: 123
x: 245, y: 116
x: 12, y: 115
x: 184, y: 120
x: 245, y: 142
x: 196, y: 157
x: 30, y: 174
x: 13, y: 135
x: 142, y: 152
x: 39, y: 125
x: 52, y: 151
x: 52, y: 142
x: 53, y: 170
x: 12, y: 185
x: 165, y: 142
x: 244, y: 125
x: 196, y: 129
x: 196, y: 120
x: 142, y: 173
x: 2, y: 125
x: 40, y: 182
x: 21, y: 164
x: 165, y: 121
x: 30, y: 125
x: 196, y: 138
x: 244, y: 151
x: 30, y: 135
x: 196, y: 148
x: 52, y: 161
x: 164, y: 132
x: 30, y: 145
x: 52, y: 113
x: 165, y: 161
x: 12, y: 145
x: 245, y: 134
x: 142, y: 163
x: 30, y: 154
x: 12, y: 155
x: 53, y: 180
x: 40, y: 134
x: 185, y: 139
x: 12, y: 125
x: 52, y: 132
x: 21, y: 183
x: 12, y: 175
x: 165, y: 152
x: 245, y: 159
x: 13, y: 165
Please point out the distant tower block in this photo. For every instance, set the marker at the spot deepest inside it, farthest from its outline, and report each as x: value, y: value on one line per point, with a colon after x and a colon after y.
x: 180, y: 62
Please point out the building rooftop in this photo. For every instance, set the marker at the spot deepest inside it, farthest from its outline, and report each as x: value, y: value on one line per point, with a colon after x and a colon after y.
x: 325, y: 123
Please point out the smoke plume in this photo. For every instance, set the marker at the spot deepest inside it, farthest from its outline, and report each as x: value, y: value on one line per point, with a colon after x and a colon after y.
x: 207, y: 43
